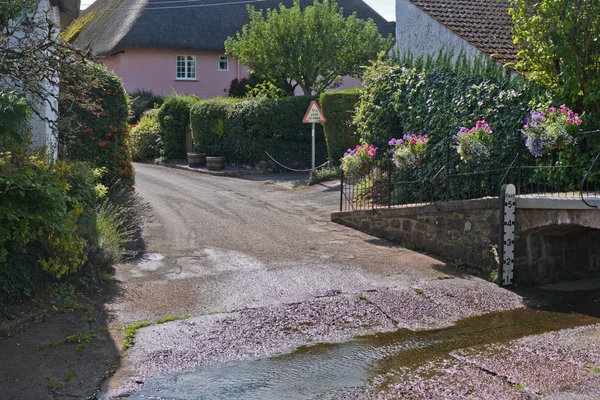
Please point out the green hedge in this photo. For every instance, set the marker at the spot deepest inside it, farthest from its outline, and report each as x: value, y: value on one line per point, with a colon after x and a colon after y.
x: 102, y: 136
x: 339, y: 130
x: 174, y: 119
x: 145, y: 140
x: 243, y: 130
x: 437, y: 98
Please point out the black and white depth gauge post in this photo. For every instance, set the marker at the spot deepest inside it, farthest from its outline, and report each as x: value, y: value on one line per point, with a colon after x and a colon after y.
x: 508, y: 201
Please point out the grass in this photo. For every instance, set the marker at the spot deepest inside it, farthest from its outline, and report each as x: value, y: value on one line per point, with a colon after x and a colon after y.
x: 169, y: 318
x: 409, y: 245
x: 52, y: 385
x: 596, y: 369
x: 518, y: 386
x: 327, y: 173
x: 418, y: 291
x: 104, y: 277
x: 70, y: 375
x: 442, y: 277
x: 81, y: 339
x: 130, y: 331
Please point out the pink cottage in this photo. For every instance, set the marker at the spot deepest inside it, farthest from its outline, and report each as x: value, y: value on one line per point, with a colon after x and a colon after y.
x: 165, y: 45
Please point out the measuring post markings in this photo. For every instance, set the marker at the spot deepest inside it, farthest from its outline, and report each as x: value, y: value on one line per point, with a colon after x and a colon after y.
x: 508, y: 201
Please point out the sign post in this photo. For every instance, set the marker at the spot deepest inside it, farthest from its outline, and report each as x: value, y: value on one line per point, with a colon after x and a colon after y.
x: 313, y: 115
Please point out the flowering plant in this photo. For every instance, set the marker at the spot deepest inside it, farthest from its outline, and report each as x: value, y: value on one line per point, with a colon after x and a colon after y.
x: 475, y: 142
x: 409, y: 150
x: 355, y: 160
x: 545, y: 131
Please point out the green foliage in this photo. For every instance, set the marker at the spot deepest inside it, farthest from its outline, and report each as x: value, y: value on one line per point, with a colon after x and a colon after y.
x: 340, y: 132
x: 312, y: 47
x: 327, y: 173
x: 437, y: 97
x: 559, y: 47
x: 140, y: 101
x: 70, y: 375
x: 174, y: 120
x: 240, y: 88
x: 169, y: 318
x: 145, y: 140
x: 36, y: 215
x: 102, y: 136
x: 53, y: 385
x: 13, y: 117
x: 130, y: 331
x: 243, y: 130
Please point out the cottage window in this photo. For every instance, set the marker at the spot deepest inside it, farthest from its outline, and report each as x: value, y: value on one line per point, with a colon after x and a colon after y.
x: 223, y: 63
x: 186, y: 67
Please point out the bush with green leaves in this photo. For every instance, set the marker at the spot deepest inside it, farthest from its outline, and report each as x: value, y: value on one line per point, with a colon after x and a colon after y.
x: 340, y: 132
x: 140, y: 101
x: 102, y: 135
x: 145, y: 140
x: 39, y: 238
x: 243, y: 130
x: 438, y: 96
x: 174, y: 120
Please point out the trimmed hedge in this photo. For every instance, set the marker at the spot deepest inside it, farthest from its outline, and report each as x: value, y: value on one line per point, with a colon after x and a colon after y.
x: 243, y: 130
x: 102, y: 137
x: 174, y: 119
x: 145, y: 140
x: 340, y: 131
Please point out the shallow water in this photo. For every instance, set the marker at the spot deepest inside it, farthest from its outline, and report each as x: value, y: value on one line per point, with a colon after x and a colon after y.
x: 344, y: 370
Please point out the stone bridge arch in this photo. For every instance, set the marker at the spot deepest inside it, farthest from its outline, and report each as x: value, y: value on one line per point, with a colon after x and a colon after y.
x: 556, y: 244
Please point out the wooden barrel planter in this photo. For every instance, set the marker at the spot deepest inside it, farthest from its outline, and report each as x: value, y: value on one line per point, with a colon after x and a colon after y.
x: 196, y: 159
x: 215, y: 163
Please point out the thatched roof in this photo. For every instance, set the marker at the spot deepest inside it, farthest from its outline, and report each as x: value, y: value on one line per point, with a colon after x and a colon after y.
x: 110, y: 26
x: 69, y: 10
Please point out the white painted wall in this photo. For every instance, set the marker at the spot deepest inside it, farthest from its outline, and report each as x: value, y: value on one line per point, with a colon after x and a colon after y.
x: 422, y: 35
x: 42, y: 131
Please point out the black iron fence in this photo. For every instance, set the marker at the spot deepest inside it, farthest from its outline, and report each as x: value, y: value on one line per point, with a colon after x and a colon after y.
x: 384, y: 186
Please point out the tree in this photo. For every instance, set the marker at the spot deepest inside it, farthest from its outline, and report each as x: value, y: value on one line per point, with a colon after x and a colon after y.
x: 311, y: 48
x: 33, y: 61
x: 559, y: 46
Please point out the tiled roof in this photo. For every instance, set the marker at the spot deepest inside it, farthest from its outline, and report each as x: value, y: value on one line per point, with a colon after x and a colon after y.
x: 484, y: 23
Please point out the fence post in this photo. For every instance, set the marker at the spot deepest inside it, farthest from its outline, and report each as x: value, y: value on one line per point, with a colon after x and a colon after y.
x: 342, y: 191
x: 519, y: 148
x: 390, y: 183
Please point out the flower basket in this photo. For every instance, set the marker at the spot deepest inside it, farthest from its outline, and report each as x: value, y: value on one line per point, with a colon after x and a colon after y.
x: 408, y: 151
x: 356, y: 162
x: 475, y: 143
x: 550, y: 130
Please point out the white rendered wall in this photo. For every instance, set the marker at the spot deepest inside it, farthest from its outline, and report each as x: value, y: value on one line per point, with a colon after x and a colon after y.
x: 42, y: 132
x: 422, y: 35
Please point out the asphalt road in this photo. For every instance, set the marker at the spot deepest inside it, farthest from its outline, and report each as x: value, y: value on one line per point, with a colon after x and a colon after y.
x: 261, y: 270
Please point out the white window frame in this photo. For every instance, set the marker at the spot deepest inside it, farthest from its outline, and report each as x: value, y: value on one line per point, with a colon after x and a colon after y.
x: 187, y: 61
x: 221, y: 59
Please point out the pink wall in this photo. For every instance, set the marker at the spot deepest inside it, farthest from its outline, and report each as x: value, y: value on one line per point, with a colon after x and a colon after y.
x: 155, y: 70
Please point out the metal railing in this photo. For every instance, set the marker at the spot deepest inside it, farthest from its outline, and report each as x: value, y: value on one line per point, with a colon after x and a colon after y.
x: 383, y: 186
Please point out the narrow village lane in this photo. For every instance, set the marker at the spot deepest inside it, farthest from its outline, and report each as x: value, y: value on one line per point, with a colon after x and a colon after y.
x: 261, y: 270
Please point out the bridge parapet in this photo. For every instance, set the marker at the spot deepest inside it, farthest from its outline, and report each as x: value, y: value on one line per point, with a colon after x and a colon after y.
x: 557, y: 240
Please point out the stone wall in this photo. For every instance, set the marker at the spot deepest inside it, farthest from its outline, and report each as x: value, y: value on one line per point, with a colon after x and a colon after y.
x: 461, y: 230
x: 550, y: 244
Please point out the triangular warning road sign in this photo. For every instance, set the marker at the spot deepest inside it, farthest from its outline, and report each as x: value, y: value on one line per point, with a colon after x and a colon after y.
x: 313, y: 114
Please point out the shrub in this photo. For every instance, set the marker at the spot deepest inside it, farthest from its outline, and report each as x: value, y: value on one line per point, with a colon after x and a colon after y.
x: 340, y: 132
x: 240, y: 88
x: 102, y: 135
x: 174, y: 120
x: 38, y: 224
x: 140, y: 101
x: 243, y: 130
x: 438, y: 97
x: 145, y: 140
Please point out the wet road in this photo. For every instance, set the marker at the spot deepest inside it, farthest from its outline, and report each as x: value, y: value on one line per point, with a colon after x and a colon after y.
x: 262, y: 271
